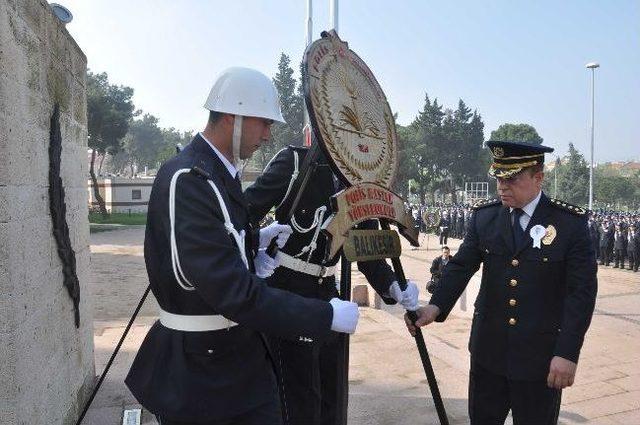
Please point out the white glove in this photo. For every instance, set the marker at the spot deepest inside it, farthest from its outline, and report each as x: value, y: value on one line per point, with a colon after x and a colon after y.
x: 345, y: 316
x: 275, y: 229
x: 407, y: 298
x: 265, y: 265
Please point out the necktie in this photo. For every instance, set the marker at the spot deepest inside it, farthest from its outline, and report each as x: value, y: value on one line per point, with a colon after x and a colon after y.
x: 238, y: 180
x: 518, y: 233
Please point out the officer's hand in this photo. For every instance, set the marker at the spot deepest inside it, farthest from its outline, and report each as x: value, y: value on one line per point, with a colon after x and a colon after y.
x: 407, y: 298
x: 562, y: 372
x: 426, y: 315
x: 345, y: 316
x: 275, y: 229
x: 264, y: 264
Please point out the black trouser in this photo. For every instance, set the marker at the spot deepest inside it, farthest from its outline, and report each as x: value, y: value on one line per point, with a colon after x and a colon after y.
x: 443, y: 236
x: 491, y: 397
x: 266, y: 414
x: 604, y: 255
x: 307, y: 380
x: 619, y: 258
x: 634, y: 260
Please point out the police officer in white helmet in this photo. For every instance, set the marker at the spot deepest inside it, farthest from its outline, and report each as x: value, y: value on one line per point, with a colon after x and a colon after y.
x: 206, y: 361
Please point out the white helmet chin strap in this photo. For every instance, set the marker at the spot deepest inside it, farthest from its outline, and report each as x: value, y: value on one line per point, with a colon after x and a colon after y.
x: 237, y: 136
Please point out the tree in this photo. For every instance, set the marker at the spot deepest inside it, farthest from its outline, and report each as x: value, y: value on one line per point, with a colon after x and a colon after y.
x: 143, y: 142
x: 427, y: 152
x: 291, y: 104
x: 401, y: 183
x: 517, y: 133
x: 573, y: 178
x: 612, y: 188
x: 109, y: 110
x: 464, y: 132
x: 170, y: 138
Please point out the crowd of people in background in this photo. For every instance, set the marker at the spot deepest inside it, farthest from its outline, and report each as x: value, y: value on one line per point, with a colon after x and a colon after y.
x: 615, y: 234
x: 616, y: 237
x: 445, y: 220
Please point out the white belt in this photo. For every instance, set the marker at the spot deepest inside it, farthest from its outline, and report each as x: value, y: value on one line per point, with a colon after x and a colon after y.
x: 302, y: 266
x: 194, y: 323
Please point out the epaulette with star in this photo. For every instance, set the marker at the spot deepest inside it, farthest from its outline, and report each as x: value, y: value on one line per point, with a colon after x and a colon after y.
x: 487, y: 203
x: 567, y: 207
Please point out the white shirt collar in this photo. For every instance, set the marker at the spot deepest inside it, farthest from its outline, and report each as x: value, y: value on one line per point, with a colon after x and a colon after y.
x: 531, y: 206
x: 230, y: 167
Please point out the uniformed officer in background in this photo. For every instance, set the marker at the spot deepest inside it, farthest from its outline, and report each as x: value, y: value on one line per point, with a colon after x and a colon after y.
x: 206, y: 360
x: 537, y: 293
x: 309, y: 368
x: 443, y: 226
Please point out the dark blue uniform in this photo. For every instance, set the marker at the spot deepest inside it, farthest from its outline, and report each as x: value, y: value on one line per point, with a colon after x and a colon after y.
x: 533, y: 304
x: 223, y: 375
x: 309, y: 369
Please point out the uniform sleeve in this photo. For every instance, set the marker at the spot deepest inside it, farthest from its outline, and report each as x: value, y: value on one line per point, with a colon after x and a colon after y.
x: 434, y: 266
x: 378, y: 272
x: 271, y: 186
x: 458, y: 271
x: 582, y: 288
x: 212, y: 263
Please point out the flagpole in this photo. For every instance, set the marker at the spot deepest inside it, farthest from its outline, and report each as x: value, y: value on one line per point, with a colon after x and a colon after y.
x: 333, y: 14
x: 306, y: 124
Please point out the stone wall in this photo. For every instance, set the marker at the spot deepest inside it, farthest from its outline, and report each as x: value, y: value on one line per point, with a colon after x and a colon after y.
x: 46, y: 363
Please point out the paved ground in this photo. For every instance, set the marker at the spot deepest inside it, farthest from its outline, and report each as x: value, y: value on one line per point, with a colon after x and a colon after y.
x: 387, y: 385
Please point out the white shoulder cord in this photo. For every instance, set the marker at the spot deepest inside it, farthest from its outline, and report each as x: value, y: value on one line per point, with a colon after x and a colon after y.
x: 175, y: 260
x: 294, y: 176
x: 318, y: 216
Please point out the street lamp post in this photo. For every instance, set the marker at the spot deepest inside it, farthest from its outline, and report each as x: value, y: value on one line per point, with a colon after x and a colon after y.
x: 333, y: 15
x: 592, y: 66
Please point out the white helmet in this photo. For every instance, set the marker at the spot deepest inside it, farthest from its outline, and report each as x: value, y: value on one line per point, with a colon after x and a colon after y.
x: 245, y: 92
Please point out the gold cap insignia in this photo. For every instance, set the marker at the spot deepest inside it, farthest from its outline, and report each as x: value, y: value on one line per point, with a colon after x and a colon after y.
x: 498, y: 152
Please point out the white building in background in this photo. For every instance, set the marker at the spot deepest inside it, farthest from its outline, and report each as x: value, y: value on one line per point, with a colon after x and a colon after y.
x: 123, y: 195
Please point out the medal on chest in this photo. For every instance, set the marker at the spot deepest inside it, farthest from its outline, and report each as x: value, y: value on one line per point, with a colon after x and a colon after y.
x: 550, y: 235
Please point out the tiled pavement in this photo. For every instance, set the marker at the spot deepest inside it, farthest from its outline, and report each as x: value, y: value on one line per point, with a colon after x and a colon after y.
x: 387, y: 385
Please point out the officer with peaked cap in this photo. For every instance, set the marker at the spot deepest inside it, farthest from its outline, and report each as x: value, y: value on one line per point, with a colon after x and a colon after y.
x: 536, y: 297
x: 206, y: 360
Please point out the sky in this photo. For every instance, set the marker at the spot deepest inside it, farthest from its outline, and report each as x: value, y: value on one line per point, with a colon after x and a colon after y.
x: 512, y: 61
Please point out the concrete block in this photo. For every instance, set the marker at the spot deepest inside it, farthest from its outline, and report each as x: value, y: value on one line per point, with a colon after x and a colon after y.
x: 22, y: 202
x: 27, y: 147
x: 360, y: 295
x: 377, y: 302
x: 17, y: 42
x: 47, y: 363
x: 79, y: 100
x: 13, y: 61
x: 5, y: 201
x: 58, y: 87
x: 7, y: 320
x: 8, y: 388
x: 33, y: 15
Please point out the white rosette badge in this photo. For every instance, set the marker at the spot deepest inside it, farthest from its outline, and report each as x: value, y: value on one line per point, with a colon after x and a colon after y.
x: 537, y: 233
